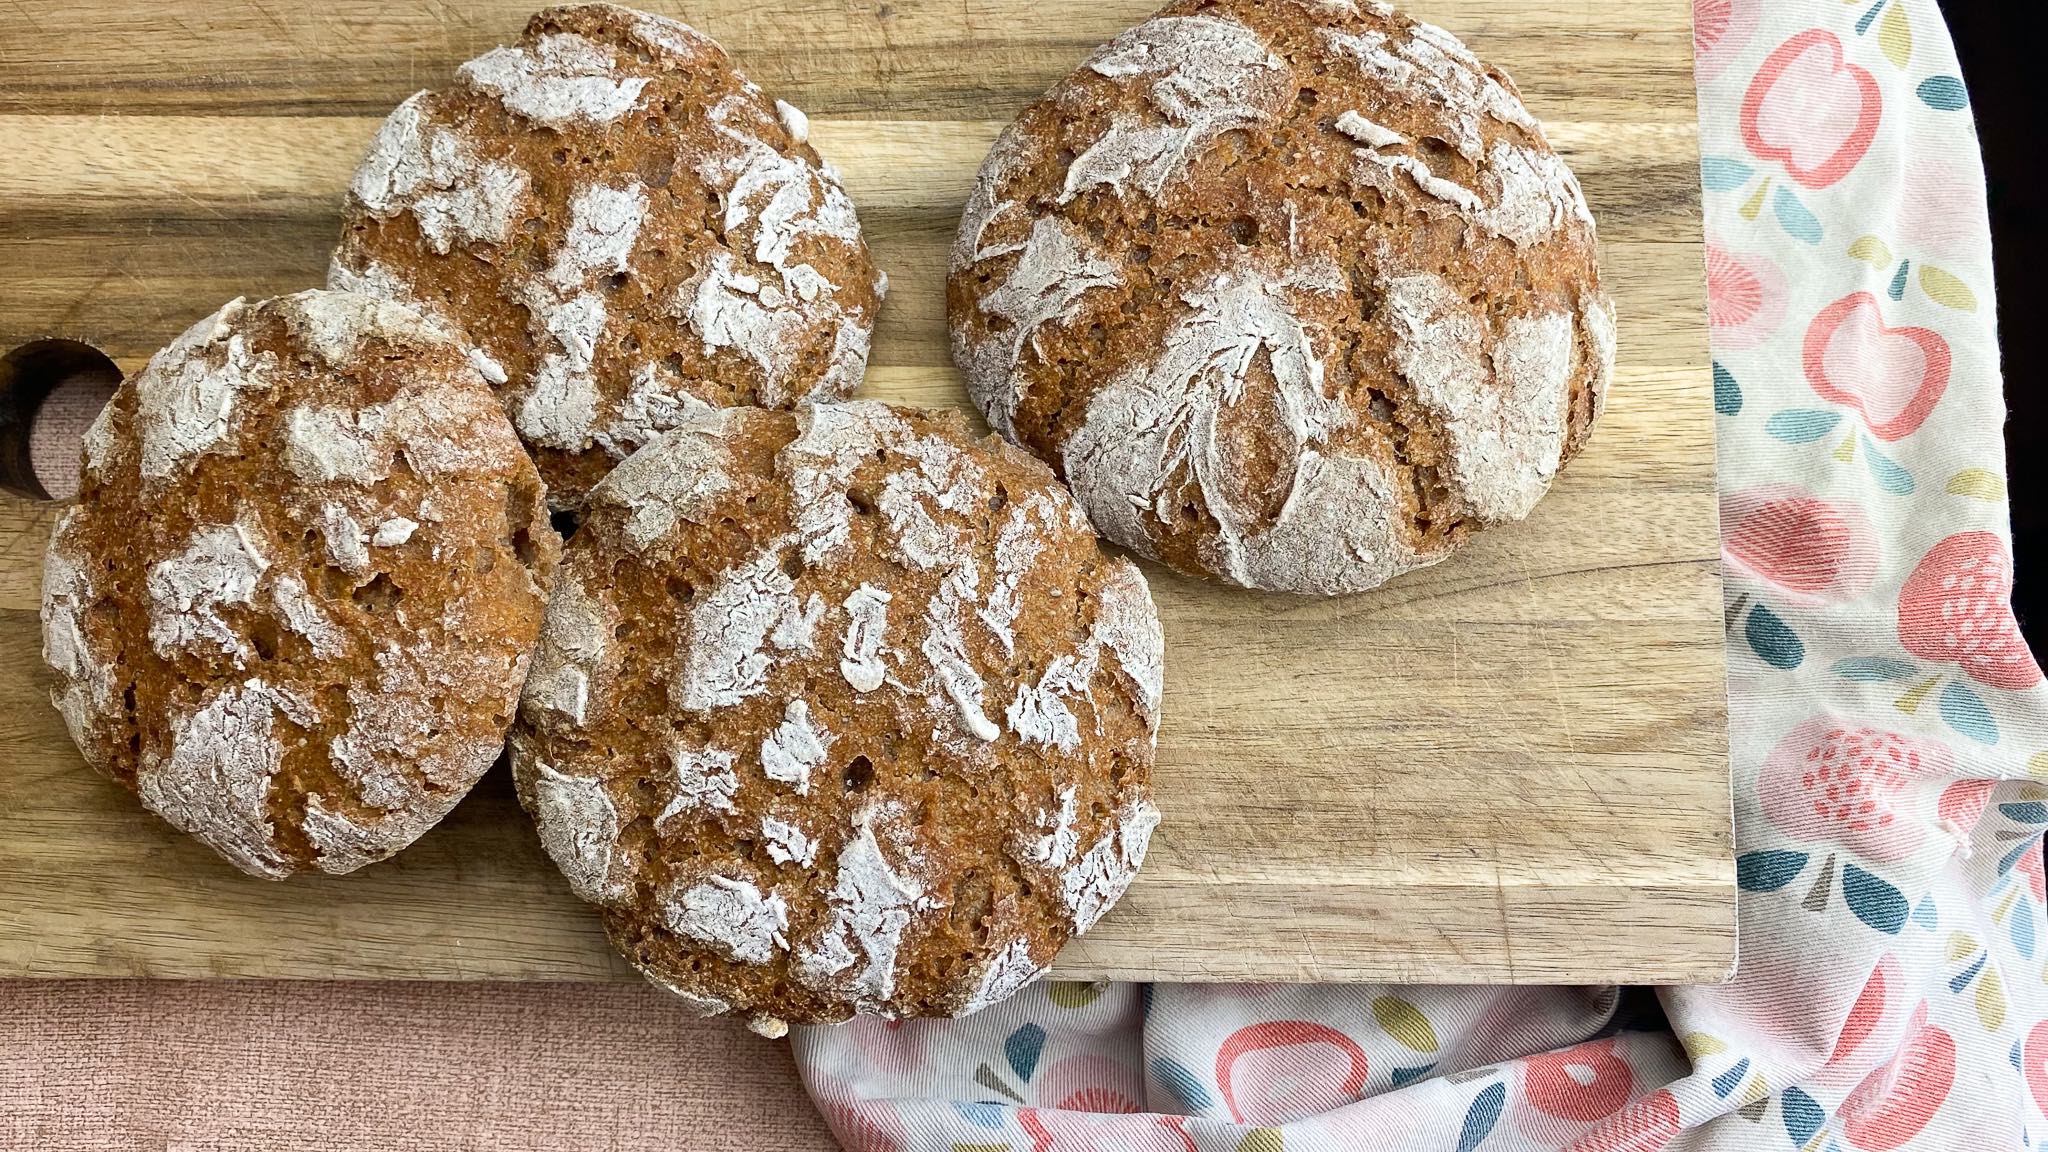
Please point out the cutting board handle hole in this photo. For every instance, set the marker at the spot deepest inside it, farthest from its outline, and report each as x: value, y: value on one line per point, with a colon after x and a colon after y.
x: 50, y: 392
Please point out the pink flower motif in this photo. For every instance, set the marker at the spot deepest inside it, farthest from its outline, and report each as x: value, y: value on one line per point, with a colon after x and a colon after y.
x: 1813, y: 551
x: 1055, y: 1131
x: 1283, y: 1070
x: 1811, y: 110
x: 1746, y: 296
x: 1585, y: 1083
x: 1720, y: 30
x: 1957, y: 608
x: 1893, y: 376
x: 1872, y: 1005
x: 1646, y: 1126
x: 2034, y: 1064
x: 1090, y: 1083
x: 1962, y: 805
x: 1895, y: 1102
x: 1825, y: 782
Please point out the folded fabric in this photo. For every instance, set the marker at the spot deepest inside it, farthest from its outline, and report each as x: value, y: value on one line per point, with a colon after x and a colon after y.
x: 1887, y: 725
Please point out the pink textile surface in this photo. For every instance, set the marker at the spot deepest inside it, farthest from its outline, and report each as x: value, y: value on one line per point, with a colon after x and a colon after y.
x: 386, y: 1068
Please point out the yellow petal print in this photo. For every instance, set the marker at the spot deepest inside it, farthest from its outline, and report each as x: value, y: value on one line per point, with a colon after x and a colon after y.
x: 1911, y: 701
x: 1700, y: 1045
x: 1895, y: 36
x: 1945, y: 290
x: 1847, y: 452
x: 1871, y: 251
x: 1990, y: 999
x: 2032, y: 792
x: 1073, y: 993
x: 2037, y: 765
x: 1981, y: 483
x: 1405, y: 1023
x: 1262, y: 1140
x: 1755, y: 204
x: 1960, y: 944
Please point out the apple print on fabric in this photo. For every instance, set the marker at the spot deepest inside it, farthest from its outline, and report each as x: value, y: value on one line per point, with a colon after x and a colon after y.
x: 1892, y: 376
x: 1888, y: 379
x: 1284, y: 1070
x: 1810, y: 110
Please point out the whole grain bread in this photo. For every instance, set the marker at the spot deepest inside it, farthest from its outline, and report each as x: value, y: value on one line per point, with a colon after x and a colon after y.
x: 841, y: 710
x: 294, y: 606
x: 1293, y: 292
x: 627, y: 227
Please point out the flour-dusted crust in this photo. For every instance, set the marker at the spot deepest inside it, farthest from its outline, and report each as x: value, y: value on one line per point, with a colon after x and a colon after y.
x: 628, y: 228
x: 841, y: 710
x: 294, y: 606
x: 1293, y: 292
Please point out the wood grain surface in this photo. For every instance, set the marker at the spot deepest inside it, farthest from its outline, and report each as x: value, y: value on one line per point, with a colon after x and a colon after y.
x: 1511, y: 767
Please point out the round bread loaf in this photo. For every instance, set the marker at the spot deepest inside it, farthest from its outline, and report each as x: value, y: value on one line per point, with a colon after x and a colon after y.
x: 626, y: 226
x: 1293, y: 292
x: 295, y: 603
x: 841, y: 710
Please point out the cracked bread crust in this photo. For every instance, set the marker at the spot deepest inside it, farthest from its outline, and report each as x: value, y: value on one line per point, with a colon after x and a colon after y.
x: 294, y: 605
x: 628, y: 228
x: 1293, y: 293
x: 841, y: 710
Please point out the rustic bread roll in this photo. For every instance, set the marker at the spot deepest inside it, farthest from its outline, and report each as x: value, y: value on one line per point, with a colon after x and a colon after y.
x: 628, y: 227
x: 1294, y: 293
x: 294, y: 605
x: 841, y: 711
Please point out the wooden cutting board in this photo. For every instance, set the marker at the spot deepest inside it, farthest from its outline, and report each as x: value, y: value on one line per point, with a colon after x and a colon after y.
x: 1511, y: 767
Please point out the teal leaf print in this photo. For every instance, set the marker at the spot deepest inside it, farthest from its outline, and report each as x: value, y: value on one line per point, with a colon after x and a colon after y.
x: 1773, y: 640
x: 1966, y: 713
x: 1962, y: 979
x: 1889, y: 475
x: 1768, y: 871
x: 2023, y: 926
x: 980, y: 1115
x: 1926, y: 915
x: 989, y: 1079
x: 1410, y: 1075
x: 1721, y: 174
x: 2025, y: 812
x: 1872, y: 669
x: 1943, y: 93
x: 1873, y: 900
x: 1793, y: 216
x: 1481, y: 1116
x: 1802, y: 425
x: 2013, y: 857
x: 1863, y: 25
x: 1803, y: 1117
x: 1022, y: 1050
x: 1727, y: 393
x: 1182, y: 1084
x: 1730, y: 1080
x: 1897, y: 288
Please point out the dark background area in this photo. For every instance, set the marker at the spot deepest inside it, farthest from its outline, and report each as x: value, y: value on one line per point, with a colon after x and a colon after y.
x: 1999, y: 43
